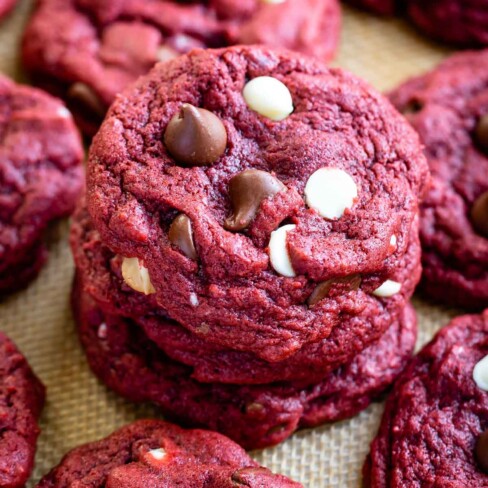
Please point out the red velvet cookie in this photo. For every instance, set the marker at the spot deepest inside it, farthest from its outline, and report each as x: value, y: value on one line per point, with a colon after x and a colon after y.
x: 153, y: 453
x: 434, y: 429
x: 460, y: 22
x: 237, y: 220
x: 5, y: 7
x: 101, y: 274
x: 87, y: 51
x: 41, y: 177
x: 21, y: 402
x: 449, y: 109
x: 254, y: 416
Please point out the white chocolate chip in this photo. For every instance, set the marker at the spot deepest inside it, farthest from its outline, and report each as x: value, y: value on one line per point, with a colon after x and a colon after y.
x: 278, y: 251
x: 388, y: 289
x: 194, y: 299
x: 136, y: 276
x: 165, y: 53
x: 330, y: 191
x: 102, y: 331
x: 268, y: 96
x: 157, y: 454
x: 64, y: 113
x: 393, y: 241
x: 480, y: 373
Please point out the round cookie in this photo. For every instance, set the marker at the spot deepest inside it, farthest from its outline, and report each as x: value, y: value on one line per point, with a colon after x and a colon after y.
x: 5, y: 7
x: 147, y: 452
x: 382, y: 7
x: 435, y: 421
x: 449, y: 109
x: 21, y: 402
x: 41, y: 177
x: 460, y: 22
x: 339, y: 181
x: 87, y: 51
x: 254, y: 416
x: 101, y: 274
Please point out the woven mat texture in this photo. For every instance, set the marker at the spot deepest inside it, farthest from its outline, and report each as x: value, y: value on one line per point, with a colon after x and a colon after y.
x: 80, y: 409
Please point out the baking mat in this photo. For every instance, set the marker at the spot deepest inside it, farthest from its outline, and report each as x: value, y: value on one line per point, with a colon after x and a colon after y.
x: 80, y: 409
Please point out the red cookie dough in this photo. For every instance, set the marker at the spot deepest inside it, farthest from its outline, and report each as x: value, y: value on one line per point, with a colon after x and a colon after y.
x: 447, y: 107
x: 382, y: 7
x: 230, y: 294
x: 254, y: 416
x: 5, y: 7
x: 435, y: 415
x: 153, y: 453
x: 87, y: 51
x: 21, y: 402
x: 460, y: 22
x: 41, y: 177
x: 101, y: 276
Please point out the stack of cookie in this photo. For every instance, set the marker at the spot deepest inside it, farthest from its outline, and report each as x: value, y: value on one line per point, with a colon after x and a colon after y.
x: 250, y: 243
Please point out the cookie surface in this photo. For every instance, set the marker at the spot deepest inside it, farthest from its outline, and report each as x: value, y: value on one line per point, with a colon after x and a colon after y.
x: 233, y: 290
x: 254, y: 416
x: 100, y: 271
x: 41, y: 176
x: 460, y: 22
x: 435, y: 415
x: 86, y: 51
x: 21, y: 402
x: 156, y: 453
x: 448, y: 107
x: 5, y: 7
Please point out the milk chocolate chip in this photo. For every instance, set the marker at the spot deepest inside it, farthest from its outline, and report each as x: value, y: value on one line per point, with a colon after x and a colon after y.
x: 82, y: 95
x: 181, y: 236
x: 481, y: 133
x: 479, y: 214
x: 195, y: 136
x: 481, y: 451
x: 322, y: 290
x: 247, y: 190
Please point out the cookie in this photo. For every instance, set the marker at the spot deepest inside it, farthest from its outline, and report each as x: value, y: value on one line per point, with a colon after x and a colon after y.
x: 148, y: 451
x: 5, y: 7
x: 41, y: 177
x: 459, y: 22
x: 433, y: 431
x: 21, y: 402
x: 245, y: 246
x: 449, y: 109
x: 382, y: 7
x: 87, y: 51
x: 254, y: 416
x: 101, y: 274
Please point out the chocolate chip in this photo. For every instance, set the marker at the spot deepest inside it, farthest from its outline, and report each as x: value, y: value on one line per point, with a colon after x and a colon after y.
x: 481, y: 451
x: 349, y: 283
x: 181, y: 236
x: 247, y: 190
x: 481, y: 133
x: 479, y: 214
x: 412, y: 107
x: 81, y: 94
x: 195, y: 136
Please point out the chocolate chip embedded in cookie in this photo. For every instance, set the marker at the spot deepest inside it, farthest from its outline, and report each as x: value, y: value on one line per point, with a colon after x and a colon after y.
x: 298, y: 196
x: 452, y: 122
x: 41, y: 177
x: 147, y: 451
x: 21, y: 400
x: 434, y: 429
x: 87, y: 51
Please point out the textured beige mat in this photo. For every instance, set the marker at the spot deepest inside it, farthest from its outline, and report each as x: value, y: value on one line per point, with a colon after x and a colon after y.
x: 80, y: 409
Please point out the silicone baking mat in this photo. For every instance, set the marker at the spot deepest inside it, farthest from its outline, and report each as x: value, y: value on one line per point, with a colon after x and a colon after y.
x: 80, y: 409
